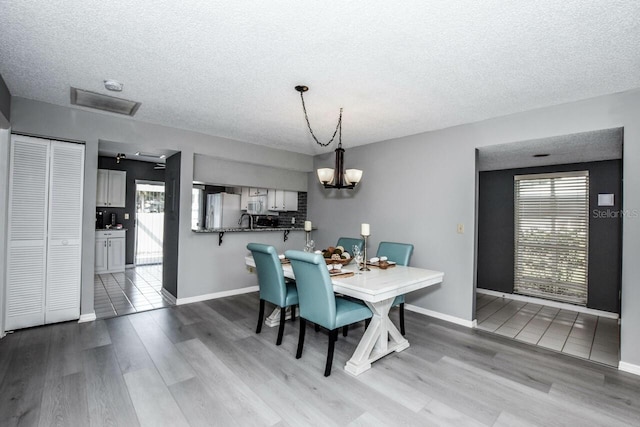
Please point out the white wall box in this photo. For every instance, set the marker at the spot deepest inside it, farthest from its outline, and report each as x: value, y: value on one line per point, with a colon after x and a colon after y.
x: 112, y: 188
x: 110, y: 251
x: 44, y: 232
x: 282, y: 200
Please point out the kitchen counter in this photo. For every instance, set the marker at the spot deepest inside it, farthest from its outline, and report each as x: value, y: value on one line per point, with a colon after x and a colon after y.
x: 243, y: 229
x: 221, y: 231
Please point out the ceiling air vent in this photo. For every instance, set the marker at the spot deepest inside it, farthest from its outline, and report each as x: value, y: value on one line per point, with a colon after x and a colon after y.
x: 84, y: 98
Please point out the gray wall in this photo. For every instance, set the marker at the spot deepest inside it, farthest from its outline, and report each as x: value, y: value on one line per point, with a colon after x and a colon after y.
x: 4, y: 194
x: 496, y: 230
x: 42, y: 119
x: 211, y: 170
x: 5, y: 115
x: 417, y: 188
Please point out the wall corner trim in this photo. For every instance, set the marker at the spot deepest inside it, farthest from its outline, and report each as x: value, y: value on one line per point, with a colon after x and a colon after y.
x: 89, y: 317
x: 165, y: 293
x: 442, y: 316
x: 629, y: 367
x: 215, y: 295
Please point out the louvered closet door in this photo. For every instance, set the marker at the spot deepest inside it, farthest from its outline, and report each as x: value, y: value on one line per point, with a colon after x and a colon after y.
x: 65, y: 232
x: 26, y: 269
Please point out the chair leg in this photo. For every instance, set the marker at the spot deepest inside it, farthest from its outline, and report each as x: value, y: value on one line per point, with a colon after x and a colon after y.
x: 402, y: 319
x: 283, y: 315
x: 333, y: 336
x: 303, y: 324
x: 293, y: 313
x: 345, y: 330
x: 260, y: 317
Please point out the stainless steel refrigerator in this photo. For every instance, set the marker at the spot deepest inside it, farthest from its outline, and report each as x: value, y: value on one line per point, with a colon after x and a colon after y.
x: 223, y: 210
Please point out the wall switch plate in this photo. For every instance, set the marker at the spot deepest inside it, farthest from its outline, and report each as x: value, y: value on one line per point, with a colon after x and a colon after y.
x: 126, y: 216
x: 460, y: 228
x: 605, y: 200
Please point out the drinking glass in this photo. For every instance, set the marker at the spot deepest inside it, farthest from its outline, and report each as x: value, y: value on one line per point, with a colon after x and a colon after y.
x: 310, y: 246
x: 357, y: 255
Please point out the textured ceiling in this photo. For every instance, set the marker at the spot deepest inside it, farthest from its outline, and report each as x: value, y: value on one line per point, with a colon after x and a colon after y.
x: 581, y: 147
x: 397, y: 68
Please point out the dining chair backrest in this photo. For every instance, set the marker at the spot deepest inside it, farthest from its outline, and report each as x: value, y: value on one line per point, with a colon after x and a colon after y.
x: 348, y: 242
x: 400, y: 253
x: 316, y: 299
x: 270, y: 274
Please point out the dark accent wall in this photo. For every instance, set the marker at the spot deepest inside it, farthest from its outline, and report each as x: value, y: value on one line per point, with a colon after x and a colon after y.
x: 5, y: 101
x: 496, y: 230
x: 136, y: 170
x: 171, y: 225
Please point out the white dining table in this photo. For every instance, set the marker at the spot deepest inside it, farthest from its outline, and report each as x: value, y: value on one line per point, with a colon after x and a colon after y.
x: 377, y: 288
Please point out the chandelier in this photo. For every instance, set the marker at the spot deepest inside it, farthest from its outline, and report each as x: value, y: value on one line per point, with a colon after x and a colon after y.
x: 337, y: 177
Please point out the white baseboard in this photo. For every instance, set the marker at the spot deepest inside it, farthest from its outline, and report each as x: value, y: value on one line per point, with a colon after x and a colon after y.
x: 549, y: 303
x: 169, y: 297
x: 222, y: 294
x: 629, y: 367
x: 442, y: 316
x: 90, y: 317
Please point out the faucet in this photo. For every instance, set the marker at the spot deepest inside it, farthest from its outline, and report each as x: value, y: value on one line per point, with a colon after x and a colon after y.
x: 250, y: 220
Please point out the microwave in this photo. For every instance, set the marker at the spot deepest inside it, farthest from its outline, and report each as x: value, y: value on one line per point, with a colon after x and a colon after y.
x: 257, y: 205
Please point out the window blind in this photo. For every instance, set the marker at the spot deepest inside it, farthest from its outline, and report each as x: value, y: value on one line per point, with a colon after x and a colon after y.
x: 552, y: 236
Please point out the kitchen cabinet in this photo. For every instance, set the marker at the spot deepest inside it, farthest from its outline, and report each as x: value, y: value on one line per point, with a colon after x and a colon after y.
x: 251, y: 194
x: 110, y: 251
x: 112, y: 188
x: 258, y: 191
x: 282, y: 200
x: 44, y: 238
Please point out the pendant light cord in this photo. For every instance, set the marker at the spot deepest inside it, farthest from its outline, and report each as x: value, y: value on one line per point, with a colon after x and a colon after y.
x: 338, y: 127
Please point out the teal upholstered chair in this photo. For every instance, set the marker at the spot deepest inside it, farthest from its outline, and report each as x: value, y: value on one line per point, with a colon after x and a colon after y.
x: 318, y: 303
x: 400, y: 253
x: 348, y: 242
x: 273, y: 287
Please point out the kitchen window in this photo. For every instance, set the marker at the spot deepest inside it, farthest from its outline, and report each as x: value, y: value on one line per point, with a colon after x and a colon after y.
x: 552, y: 236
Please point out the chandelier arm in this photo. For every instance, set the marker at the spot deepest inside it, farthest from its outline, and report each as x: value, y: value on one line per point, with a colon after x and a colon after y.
x: 338, y: 126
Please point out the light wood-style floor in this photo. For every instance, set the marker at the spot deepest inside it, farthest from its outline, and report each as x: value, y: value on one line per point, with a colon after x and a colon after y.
x: 203, y: 364
x: 582, y: 335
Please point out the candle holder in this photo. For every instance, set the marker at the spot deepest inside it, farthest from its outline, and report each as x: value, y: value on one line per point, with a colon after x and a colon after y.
x: 364, y: 252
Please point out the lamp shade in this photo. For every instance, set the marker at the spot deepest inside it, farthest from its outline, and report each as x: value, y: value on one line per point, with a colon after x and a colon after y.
x: 353, y: 176
x: 325, y: 175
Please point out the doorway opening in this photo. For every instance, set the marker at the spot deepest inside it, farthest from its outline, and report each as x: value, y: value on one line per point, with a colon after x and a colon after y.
x: 538, y: 278
x: 149, y: 222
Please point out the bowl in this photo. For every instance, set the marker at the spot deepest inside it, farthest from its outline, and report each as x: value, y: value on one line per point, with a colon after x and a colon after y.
x: 330, y: 261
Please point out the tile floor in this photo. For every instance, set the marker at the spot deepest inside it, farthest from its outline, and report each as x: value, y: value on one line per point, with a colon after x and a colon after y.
x: 137, y: 289
x: 587, y: 336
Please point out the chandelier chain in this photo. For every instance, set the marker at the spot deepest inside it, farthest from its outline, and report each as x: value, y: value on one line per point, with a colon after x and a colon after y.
x: 338, y: 126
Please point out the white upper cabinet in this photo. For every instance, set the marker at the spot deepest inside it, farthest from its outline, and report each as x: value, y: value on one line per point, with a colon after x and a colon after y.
x: 112, y: 188
x: 282, y: 200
